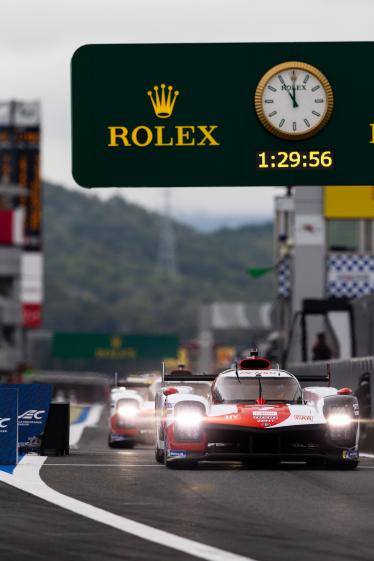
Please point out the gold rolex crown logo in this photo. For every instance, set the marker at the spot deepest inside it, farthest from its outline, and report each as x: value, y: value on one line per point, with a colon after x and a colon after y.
x: 116, y: 342
x: 163, y: 103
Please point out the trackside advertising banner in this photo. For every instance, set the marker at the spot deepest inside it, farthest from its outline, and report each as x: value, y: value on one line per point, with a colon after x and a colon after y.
x: 8, y: 426
x: 33, y: 408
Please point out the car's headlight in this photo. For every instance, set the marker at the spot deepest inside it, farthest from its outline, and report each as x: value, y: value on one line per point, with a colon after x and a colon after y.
x: 188, y: 419
x: 127, y: 411
x: 339, y: 420
x: 188, y: 423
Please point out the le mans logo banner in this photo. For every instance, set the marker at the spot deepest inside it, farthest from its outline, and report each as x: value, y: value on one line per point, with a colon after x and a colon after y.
x: 162, y: 101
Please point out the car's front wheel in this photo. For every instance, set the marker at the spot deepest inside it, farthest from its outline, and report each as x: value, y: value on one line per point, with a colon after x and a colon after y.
x: 120, y: 444
x: 180, y: 464
x: 159, y: 455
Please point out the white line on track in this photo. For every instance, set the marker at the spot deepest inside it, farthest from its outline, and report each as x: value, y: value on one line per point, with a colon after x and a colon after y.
x: 366, y: 455
x: 26, y: 477
x: 76, y: 429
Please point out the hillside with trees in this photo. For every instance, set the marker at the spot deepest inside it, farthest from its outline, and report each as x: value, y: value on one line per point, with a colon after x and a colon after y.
x: 101, y: 269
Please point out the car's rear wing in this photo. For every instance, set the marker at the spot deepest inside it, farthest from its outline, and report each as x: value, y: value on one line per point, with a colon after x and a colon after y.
x: 326, y: 378
x: 183, y: 374
x: 311, y: 378
x: 181, y: 377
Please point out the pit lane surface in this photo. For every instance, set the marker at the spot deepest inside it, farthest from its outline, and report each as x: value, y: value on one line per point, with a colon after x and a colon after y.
x: 290, y: 513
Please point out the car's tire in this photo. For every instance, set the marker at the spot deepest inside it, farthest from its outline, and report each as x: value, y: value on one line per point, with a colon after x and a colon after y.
x: 127, y: 445
x: 181, y: 464
x: 120, y: 444
x: 159, y: 455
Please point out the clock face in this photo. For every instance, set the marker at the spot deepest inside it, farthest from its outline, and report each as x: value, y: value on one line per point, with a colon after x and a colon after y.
x: 294, y: 100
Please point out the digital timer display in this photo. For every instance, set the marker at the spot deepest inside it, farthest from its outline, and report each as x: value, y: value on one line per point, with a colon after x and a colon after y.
x: 295, y: 159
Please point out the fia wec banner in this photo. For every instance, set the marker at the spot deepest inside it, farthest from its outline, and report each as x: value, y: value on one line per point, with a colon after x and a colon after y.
x: 33, y: 407
x: 8, y: 425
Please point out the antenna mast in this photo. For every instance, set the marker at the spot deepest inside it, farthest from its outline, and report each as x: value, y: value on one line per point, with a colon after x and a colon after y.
x: 167, y: 260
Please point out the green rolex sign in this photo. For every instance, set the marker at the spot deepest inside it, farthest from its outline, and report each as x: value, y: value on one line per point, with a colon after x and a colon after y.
x: 223, y: 114
x: 114, y: 347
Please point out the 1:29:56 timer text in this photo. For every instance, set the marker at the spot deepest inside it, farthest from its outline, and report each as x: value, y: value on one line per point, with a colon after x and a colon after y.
x: 304, y: 159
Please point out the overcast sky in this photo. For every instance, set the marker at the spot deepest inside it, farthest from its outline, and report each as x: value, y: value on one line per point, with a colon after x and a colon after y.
x: 38, y: 37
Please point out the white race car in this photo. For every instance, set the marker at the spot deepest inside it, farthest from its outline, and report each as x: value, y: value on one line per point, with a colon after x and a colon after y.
x: 257, y: 414
x: 132, y: 412
x: 183, y: 382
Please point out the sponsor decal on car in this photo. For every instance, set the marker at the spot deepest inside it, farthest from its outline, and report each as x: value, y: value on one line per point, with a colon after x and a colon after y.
x: 350, y: 454
x: 305, y: 418
x: 262, y: 414
x: 267, y: 416
x: 178, y: 453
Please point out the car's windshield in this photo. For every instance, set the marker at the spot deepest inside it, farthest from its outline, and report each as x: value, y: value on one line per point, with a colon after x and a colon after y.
x: 248, y: 390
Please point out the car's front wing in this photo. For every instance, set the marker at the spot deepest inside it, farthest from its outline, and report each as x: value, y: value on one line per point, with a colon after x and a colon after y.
x: 291, y: 443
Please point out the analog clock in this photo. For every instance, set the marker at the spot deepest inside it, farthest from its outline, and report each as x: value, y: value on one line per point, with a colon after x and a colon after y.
x: 294, y: 100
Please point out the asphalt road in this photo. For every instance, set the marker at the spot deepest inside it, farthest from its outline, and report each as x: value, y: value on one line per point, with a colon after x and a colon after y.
x: 290, y: 513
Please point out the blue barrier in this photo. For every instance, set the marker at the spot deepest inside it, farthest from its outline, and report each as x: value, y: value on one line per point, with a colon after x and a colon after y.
x: 33, y: 407
x: 8, y: 425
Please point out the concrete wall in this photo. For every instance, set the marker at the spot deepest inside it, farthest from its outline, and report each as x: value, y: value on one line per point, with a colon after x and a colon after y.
x: 345, y: 373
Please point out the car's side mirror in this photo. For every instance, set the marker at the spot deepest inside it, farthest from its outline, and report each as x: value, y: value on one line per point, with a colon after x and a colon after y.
x: 345, y: 391
x: 170, y: 391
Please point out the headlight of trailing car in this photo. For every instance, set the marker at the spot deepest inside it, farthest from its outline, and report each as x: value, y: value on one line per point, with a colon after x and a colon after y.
x: 187, y: 422
x: 127, y: 412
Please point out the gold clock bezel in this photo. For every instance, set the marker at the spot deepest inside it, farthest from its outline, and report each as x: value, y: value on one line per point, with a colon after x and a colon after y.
x: 289, y: 66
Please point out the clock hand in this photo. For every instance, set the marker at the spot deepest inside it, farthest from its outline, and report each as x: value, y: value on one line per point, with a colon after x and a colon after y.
x: 294, y: 78
x: 293, y: 97
x: 295, y: 104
